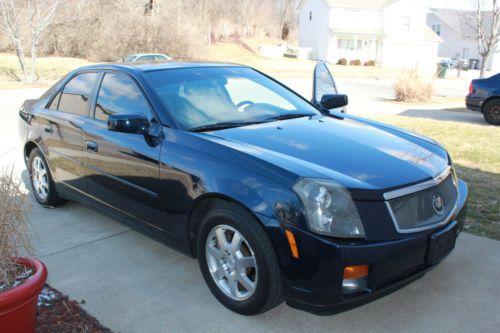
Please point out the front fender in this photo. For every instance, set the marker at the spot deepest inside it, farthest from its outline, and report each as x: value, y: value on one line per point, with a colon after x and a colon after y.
x: 193, y: 169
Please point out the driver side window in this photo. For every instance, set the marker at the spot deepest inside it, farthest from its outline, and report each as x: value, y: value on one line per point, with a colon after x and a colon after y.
x: 119, y: 94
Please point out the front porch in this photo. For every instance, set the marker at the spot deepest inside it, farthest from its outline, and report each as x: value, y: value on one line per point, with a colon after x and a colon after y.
x: 364, y: 47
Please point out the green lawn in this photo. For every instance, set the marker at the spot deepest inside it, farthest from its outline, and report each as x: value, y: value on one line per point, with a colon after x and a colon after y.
x: 475, y: 152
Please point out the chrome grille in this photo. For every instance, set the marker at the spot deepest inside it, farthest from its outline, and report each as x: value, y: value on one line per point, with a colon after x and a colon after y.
x: 425, y: 209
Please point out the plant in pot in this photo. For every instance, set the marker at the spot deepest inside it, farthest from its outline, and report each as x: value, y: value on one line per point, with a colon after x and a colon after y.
x: 21, y: 277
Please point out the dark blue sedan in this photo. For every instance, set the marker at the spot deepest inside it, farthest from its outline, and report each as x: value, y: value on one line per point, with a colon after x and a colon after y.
x: 484, y: 96
x: 279, y: 198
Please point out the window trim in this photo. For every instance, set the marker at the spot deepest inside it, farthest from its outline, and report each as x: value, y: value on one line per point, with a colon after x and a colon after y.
x: 98, y: 88
x: 52, y: 99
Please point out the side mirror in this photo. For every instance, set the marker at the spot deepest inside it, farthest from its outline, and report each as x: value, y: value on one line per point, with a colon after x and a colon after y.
x: 329, y: 102
x: 129, y: 123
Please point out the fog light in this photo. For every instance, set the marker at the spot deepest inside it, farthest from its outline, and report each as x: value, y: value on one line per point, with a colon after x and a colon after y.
x: 355, y: 279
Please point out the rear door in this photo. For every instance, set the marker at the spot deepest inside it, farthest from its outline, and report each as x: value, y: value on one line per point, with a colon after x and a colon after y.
x: 123, y: 168
x: 324, y: 84
x: 61, y: 123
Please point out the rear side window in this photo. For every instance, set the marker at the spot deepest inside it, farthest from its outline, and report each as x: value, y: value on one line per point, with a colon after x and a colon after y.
x: 76, y: 94
x: 119, y: 94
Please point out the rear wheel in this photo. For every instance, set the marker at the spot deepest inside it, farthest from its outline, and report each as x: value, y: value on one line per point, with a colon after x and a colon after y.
x: 238, y: 261
x: 491, y: 112
x: 41, y: 180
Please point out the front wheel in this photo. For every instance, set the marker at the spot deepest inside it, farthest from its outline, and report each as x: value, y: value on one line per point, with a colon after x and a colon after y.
x: 491, y: 112
x: 238, y: 261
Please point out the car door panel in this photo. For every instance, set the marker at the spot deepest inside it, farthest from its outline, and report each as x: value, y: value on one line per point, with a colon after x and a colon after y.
x: 122, y: 168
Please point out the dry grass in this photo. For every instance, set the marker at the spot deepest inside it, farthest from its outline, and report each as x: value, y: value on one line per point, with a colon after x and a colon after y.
x: 49, y: 69
x: 14, y: 240
x: 412, y: 87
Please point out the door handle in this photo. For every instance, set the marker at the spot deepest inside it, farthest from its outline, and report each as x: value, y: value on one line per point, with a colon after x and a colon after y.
x: 48, y: 129
x: 91, y: 145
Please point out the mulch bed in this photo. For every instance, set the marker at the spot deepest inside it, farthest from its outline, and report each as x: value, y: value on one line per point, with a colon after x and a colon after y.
x: 58, y: 313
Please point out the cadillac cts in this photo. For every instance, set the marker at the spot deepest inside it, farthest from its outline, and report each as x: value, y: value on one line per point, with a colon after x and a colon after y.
x: 279, y: 198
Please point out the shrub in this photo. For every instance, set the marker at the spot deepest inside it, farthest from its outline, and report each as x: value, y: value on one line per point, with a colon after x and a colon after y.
x: 370, y: 63
x: 355, y: 62
x: 411, y: 87
x: 342, y: 61
x: 14, y: 239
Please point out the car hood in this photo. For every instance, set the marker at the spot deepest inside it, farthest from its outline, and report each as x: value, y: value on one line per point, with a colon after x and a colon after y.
x: 356, y: 154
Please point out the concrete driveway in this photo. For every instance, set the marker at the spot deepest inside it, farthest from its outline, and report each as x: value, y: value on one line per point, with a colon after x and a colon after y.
x: 132, y: 283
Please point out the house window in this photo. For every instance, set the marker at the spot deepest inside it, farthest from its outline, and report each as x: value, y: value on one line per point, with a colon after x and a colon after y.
x: 436, y: 28
x: 345, y: 44
x: 405, y: 22
x: 310, y: 15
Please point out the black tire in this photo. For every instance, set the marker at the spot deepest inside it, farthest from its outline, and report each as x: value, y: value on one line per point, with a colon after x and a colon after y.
x: 267, y: 293
x: 491, y: 112
x: 51, y: 199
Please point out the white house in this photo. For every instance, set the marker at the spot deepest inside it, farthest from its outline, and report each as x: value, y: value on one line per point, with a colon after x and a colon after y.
x: 459, y: 37
x: 394, y: 33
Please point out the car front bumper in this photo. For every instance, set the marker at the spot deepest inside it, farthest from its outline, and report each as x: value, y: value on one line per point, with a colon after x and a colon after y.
x: 313, y: 282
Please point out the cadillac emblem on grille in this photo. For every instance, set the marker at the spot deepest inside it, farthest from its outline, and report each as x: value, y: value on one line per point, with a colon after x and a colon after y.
x: 437, y: 203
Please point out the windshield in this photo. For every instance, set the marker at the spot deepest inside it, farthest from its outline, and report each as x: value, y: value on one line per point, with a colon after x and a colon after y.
x: 200, y: 98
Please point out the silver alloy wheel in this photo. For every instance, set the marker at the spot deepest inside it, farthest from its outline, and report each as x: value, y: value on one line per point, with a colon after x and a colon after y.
x: 231, y: 262
x: 40, y: 178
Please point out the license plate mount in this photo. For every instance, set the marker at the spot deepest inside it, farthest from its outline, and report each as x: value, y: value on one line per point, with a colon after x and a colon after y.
x: 441, y: 243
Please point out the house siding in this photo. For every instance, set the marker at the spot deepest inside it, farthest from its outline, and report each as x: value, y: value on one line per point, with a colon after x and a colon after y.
x: 314, y: 33
x: 453, y: 44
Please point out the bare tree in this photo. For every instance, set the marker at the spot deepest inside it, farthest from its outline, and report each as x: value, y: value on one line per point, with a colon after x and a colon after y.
x: 286, y: 6
x: 37, y: 15
x: 10, y: 25
x: 487, y: 28
x: 40, y: 14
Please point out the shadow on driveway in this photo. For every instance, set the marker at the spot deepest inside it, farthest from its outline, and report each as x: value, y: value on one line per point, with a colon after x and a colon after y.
x: 446, y: 115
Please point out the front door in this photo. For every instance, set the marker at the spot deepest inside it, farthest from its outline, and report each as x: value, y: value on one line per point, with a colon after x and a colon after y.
x: 122, y: 168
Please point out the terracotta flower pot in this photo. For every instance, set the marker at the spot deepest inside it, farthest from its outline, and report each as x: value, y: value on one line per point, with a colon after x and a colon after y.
x: 18, y: 305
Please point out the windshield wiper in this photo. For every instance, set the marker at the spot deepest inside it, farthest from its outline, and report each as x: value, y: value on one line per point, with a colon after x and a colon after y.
x: 291, y: 116
x: 220, y: 126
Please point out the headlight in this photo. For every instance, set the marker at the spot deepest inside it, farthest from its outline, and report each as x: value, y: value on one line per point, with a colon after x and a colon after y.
x: 330, y: 209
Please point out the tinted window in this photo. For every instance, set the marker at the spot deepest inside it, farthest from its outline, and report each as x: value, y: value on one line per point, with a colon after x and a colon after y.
x: 76, y: 94
x: 53, y: 105
x: 119, y: 94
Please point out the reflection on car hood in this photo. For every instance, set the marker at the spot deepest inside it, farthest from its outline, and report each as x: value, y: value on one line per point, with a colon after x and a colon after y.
x: 355, y: 154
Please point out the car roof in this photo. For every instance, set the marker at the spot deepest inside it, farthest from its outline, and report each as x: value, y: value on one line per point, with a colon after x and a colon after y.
x: 155, y: 66
x: 144, y: 54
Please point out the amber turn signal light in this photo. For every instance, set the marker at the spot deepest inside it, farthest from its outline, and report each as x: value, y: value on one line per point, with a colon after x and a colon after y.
x: 355, y: 272
x: 292, y: 244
